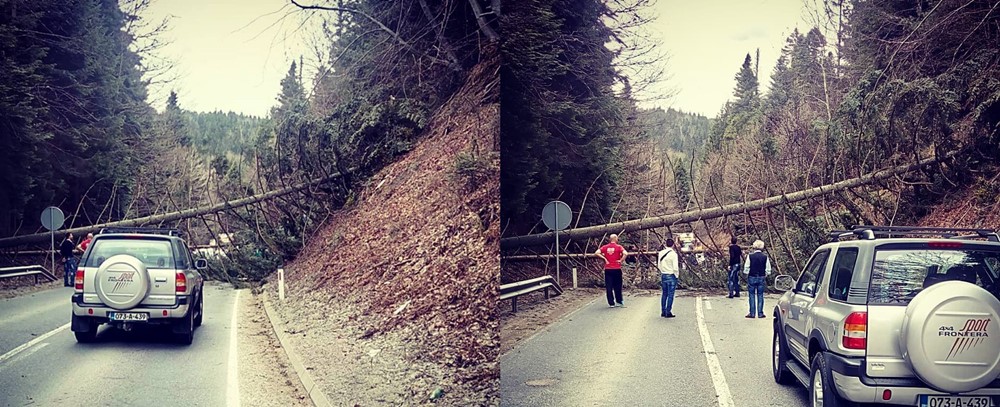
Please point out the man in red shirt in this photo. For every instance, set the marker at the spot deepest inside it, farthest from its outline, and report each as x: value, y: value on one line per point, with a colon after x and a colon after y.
x: 82, y: 247
x: 613, y: 255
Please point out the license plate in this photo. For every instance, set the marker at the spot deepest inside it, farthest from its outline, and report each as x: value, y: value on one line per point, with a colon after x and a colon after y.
x: 957, y: 401
x: 128, y: 316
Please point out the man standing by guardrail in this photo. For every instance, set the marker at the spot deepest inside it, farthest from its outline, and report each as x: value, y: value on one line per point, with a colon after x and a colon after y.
x: 613, y: 255
x: 69, y: 261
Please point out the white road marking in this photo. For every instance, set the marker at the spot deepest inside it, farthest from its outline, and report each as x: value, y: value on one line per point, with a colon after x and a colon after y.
x: 708, y: 304
x: 32, y: 342
x: 232, y: 376
x: 29, y: 352
x: 725, y: 397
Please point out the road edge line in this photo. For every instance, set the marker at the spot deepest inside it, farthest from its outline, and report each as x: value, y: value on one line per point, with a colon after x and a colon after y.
x: 42, y: 337
x: 543, y: 329
x: 233, y: 371
x: 722, y: 392
x: 316, y: 395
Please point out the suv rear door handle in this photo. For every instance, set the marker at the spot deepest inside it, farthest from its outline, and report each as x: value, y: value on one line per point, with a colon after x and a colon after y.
x: 161, y: 279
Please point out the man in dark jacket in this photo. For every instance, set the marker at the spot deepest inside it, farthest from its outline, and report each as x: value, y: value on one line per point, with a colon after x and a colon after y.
x: 69, y: 261
x: 735, y: 257
x: 757, y: 268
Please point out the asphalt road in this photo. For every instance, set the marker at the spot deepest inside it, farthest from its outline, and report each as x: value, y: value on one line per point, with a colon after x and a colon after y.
x: 41, y: 364
x: 600, y: 356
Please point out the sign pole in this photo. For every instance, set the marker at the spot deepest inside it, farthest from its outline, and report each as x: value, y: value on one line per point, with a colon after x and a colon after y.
x: 52, y: 252
x: 557, y: 247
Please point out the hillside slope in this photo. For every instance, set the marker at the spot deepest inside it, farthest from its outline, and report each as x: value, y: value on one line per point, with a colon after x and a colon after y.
x: 416, y: 257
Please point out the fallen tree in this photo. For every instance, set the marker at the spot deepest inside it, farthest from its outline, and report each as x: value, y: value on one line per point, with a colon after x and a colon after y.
x: 172, y: 216
x: 715, y: 212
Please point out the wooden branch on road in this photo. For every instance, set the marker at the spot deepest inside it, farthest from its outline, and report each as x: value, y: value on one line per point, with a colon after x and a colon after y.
x: 716, y: 212
x: 172, y: 216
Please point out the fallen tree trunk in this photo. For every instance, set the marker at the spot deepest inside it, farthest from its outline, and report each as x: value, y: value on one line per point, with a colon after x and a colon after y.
x: 715, y: 212
x: 168, y: 217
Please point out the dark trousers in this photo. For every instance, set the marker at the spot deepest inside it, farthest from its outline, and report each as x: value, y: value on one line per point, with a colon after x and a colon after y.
x: 734, y: 280
x: 613, y: 285
x: 69, y: 271
x: 668, y: 282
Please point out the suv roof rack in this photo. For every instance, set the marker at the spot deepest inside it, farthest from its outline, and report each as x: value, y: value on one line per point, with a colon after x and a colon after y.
x: 869, y: 232
x: 152, y: 231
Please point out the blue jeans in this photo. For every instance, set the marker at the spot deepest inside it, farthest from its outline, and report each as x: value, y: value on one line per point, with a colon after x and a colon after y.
x: 69, y: 268
x: 755, y: 287
x: 734, y: 280
x: 668, y: 282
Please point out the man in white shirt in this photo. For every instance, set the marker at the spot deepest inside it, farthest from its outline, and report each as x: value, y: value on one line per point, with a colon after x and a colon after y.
x: 667, y: 262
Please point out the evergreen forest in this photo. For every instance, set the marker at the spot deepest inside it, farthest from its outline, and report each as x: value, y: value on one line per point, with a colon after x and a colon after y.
x: 873, y: 84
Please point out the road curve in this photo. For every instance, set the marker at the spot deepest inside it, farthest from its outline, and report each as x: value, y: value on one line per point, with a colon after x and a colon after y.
x: 600, y: 356
x: 142, y: 367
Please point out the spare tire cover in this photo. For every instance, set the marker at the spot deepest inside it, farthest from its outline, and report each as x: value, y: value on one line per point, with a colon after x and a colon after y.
x: 951, y: 336
x: 122, y: 282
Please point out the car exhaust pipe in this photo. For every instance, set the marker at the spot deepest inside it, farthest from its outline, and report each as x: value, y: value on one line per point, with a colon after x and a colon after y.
x: 127, y: 327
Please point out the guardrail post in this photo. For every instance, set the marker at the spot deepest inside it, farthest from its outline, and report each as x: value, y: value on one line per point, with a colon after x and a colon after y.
x: 281, y: 284
x: 574, y: 278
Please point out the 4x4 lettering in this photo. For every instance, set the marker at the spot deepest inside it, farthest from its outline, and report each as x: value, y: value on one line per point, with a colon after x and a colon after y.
x: 946, y: 328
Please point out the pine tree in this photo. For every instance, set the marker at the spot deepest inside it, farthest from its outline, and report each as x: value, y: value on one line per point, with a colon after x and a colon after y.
x: 747, y: 88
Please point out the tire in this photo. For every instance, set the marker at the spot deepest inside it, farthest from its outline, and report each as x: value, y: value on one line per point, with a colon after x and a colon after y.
x: 122, y: 282
x: 945, y: 363
x: 779, y: 357
x: 86, y: 337
x: 186, y: 325
x: 201, y: 309
x: 822, y: 392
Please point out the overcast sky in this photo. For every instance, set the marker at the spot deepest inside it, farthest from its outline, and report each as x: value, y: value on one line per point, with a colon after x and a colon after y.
x: 230, y: 55
x: 707, y: 40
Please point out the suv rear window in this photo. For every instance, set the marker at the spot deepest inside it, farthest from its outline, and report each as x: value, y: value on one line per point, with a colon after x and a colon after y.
x: 155, y: 253
x: 899, y: 275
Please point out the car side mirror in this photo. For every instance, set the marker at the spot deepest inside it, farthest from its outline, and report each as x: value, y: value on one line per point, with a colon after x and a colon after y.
x: 784, y: 282
x: 201, y: 264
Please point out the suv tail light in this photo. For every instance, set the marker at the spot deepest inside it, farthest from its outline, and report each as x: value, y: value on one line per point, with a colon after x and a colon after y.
x: 180, y: 280
x: 856, y: 331
x: 78, y: 281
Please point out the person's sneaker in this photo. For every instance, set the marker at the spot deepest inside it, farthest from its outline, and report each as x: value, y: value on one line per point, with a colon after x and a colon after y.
x: 663, y: 315
x: 761, y: 316
x: 621, y: 305
x: 612, y: 306
x: 736, y: 296
x: 749, y: 316
x: 671, y: 315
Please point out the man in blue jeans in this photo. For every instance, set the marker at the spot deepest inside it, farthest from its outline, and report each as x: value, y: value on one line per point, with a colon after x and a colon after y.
x: 735, y: 257
x: 69, y: 261
x: 757, y: 268
x: 667, y: 263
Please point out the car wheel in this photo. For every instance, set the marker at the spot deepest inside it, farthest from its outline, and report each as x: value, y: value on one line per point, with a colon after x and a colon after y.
x: 779, y: 357
x: 201, y: 309
x: 87, y: 336
x: 821, y: 387
x: 185, y: 333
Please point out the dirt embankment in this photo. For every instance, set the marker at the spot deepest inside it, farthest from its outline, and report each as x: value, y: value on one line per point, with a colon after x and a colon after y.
x: 401, y: 287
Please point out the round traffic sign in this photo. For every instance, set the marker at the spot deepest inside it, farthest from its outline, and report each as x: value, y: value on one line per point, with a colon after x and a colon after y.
x: 556, y: 215
x: 52, y: 218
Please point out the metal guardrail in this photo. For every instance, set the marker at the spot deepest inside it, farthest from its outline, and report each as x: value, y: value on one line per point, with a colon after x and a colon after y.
x: 513, y: 290
x: 20, y: 271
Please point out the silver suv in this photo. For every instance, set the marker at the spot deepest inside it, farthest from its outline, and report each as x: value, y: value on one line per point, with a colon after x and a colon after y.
x: 131, y: 276
x: 894, y: 316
